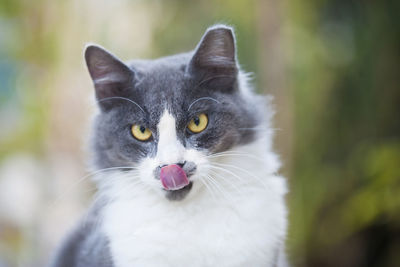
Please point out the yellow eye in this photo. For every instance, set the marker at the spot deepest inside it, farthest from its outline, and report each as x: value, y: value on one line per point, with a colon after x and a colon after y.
x: 198, y: 123
x: 140, y: 132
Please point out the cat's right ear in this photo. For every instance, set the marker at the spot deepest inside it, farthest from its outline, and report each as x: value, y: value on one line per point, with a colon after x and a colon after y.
x: 214, y: 60
x: 111, y: 77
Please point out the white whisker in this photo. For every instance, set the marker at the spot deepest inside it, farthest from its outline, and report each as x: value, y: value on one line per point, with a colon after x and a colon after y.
x: 234, y: 153
x: 212, y: 192
x: 121, y: 98
x: 230, y: 183
x: 220, y: 189
x: 83, y: 178
x: 228, y: 171
x: 245, y: 171
x: 203, y: 98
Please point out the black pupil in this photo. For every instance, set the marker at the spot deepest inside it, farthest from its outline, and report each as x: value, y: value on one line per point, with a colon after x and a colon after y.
x: 196, y: 121
x: 142, y: 129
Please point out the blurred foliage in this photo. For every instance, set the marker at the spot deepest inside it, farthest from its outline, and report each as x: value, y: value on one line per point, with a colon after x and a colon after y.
x: 342, y: 62
x: 345, y: 79
x: 27, y: 50
x: 188, y: 20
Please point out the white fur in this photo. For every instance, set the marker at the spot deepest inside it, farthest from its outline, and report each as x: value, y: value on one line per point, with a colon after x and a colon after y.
x: 170, y: 150
x: 240, y: 221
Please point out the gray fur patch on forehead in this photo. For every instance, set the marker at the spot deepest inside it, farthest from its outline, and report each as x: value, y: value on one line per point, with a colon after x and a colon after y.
x: 161, y: 81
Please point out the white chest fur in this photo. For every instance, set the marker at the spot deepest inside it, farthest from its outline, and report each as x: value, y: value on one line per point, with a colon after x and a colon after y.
x: 243, y: 228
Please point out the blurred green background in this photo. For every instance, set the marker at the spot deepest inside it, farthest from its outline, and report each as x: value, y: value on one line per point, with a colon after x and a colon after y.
x: 332, y: 66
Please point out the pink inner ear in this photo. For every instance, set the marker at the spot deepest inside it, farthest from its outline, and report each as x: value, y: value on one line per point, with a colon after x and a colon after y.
x: 173, y: 177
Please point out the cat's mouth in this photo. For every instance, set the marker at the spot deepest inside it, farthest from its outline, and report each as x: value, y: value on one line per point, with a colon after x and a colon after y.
x: 179, y: 194
x: 174, y: 179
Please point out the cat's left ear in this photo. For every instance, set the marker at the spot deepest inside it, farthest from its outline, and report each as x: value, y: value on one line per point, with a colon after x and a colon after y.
x: 111, y: 77
x: 214, y: 61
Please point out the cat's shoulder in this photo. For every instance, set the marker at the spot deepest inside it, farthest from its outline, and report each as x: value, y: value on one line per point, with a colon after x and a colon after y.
x: 86, y: 245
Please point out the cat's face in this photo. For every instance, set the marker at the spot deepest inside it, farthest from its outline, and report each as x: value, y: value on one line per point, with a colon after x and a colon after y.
x: 165, y: 118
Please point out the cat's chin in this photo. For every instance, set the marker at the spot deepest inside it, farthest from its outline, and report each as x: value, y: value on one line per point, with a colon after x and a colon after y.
x: 180, y: 194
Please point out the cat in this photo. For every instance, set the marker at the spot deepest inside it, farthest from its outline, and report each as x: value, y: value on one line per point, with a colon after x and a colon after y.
x: 186, y: 173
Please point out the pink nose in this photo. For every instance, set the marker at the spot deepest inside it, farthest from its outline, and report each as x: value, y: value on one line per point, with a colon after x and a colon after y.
x: 173, y: 177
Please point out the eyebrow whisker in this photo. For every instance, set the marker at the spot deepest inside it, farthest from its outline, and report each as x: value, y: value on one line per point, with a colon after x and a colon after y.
x: 203, y: 98
x: 123, y: 98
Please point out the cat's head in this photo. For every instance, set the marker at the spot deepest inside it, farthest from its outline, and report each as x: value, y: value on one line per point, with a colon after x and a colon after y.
x: 163, y: 121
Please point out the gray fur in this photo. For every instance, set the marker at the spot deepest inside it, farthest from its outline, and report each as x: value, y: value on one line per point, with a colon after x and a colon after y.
x: 203, y: 81
x: 86, y: 246
x: 172, y: 83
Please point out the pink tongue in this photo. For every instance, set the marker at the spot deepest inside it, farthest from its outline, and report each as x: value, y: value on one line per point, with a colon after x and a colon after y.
x: 173, y: 177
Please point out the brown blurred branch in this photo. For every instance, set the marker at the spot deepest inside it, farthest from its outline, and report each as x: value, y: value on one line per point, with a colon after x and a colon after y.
x: 274, y: 74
